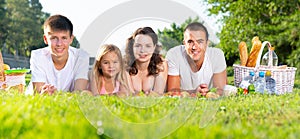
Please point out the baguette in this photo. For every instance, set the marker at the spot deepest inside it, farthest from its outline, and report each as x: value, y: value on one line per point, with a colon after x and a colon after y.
x: 256, y: 46
x: 243, y: 53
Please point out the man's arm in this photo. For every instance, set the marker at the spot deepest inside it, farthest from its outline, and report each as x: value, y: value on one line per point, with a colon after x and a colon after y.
x: 81, y: 70
x: 37, y: 87
x: 42, y: 88
x: 219, y: 81
x: 173, y: 83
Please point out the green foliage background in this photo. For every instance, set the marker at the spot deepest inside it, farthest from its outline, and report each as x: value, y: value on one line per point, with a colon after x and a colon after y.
x: 21, y: 26
x: 275, y: 21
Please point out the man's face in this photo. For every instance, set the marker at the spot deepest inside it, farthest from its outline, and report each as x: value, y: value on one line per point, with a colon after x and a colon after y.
x: 195, y: 44
x: 59, y: 41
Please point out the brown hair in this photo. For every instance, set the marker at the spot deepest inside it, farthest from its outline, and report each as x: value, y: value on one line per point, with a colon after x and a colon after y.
x: 156, y: 59
x: 196, y: 26
x: 59, y: 23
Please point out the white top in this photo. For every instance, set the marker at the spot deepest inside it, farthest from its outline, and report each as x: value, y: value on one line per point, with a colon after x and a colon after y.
x: 43, y: 70
x: 214, y: 62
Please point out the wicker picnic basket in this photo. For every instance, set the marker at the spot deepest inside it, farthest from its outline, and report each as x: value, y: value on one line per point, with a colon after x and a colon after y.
x: 11, y: 81
x: 284, y: 76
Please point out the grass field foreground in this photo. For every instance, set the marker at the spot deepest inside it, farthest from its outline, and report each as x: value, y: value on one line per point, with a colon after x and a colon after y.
x: 63, y: 116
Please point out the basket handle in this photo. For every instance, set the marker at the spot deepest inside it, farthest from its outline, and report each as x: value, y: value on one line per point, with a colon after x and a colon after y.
x: 260, y: 53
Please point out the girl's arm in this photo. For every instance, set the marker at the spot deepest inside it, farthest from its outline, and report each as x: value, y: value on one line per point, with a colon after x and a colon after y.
x: 127, y: 87
x: 92, y: 83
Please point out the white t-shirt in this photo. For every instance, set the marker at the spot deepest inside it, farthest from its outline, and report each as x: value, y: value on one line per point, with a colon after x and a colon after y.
x: 214, y: 62
x: 43, y: 70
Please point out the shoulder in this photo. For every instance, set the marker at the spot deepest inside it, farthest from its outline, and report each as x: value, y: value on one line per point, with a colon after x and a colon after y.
x: 178, y: 48
x: 175, y: 51
x: 44, y: 50
x: 39, y: 53
x: 78, y: 52
x: 214, y: 52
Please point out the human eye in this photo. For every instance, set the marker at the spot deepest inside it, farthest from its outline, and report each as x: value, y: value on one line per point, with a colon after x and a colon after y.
x: 65, y: 38
x: 200, y: 41
x: 190, y: 41
x: 136, y: 45
x: 149, y: 46
x: 53, y: 38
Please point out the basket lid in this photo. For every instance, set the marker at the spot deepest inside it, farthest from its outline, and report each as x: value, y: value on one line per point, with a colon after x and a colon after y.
x: 16, y: 71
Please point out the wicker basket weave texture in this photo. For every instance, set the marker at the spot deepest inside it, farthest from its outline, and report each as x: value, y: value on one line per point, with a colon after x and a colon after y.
x: 284, y: 77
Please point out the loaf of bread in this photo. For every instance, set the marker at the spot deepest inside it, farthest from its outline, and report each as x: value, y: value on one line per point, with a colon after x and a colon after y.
x: 243, y: 53
x: 256, y: 46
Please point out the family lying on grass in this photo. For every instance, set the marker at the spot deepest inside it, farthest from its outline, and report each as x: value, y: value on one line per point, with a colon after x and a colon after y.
x: 191, y: 67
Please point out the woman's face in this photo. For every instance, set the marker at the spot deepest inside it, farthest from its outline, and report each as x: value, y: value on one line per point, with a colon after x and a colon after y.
x: 110, y: 64
x: 143, y: 48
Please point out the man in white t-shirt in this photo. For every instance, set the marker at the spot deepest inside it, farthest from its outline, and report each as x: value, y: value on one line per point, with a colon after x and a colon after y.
x: 58, y: 67
x: 194, y: 66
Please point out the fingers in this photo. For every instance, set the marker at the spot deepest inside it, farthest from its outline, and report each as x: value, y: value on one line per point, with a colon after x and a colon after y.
x: 48, y: 89
x: 202, y: 89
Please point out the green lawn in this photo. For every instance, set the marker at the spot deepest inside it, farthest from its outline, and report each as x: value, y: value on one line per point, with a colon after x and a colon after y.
x: 67, y: 115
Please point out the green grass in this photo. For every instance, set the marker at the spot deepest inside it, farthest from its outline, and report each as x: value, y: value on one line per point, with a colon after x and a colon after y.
x: 27, y: 78
x: 67, y: 115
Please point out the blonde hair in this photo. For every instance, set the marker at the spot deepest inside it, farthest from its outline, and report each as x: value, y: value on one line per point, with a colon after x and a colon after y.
x: 97, y: 71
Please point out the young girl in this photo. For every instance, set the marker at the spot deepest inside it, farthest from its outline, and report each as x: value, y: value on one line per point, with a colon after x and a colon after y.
x: 107, y: 76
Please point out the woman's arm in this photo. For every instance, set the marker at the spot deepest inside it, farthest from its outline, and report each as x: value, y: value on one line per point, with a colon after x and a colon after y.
x: 161, y: 79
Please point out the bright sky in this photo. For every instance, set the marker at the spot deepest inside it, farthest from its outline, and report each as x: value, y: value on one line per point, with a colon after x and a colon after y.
x: 83, y: 12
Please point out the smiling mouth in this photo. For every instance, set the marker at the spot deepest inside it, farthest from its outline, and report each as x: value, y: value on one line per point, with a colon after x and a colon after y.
x: 195, y: 52
x: 142, y: 56
x: 59, y: 50
x: 111, y: 71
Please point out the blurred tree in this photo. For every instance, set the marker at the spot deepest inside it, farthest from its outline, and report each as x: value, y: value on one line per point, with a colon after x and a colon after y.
x: 173, y: 36
x: 37, y: 18
x: 274, y: 21
x: 75, y: 43
x: 3, y: 24
x: 24, y: 26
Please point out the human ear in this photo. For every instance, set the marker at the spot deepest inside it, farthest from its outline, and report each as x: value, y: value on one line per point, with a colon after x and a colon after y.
x: 45, y: 39
x: 207, y: 42
x: 71, y: 39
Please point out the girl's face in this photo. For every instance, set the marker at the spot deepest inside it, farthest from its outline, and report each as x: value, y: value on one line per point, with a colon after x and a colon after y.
x: 143, y: 48
x: 110, y: 64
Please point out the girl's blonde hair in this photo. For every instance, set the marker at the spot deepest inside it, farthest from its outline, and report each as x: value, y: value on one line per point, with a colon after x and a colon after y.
x: 103, y: 50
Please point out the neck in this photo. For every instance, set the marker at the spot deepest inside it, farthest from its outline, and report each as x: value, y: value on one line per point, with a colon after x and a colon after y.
x: 142, y: 67
x: 59, y: 62
x: 195, y: 65
x: 108, y: 78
